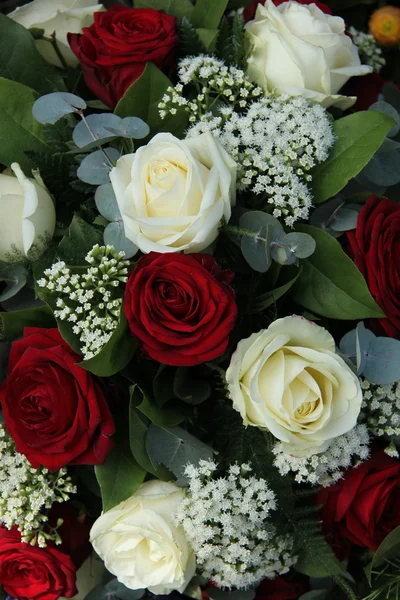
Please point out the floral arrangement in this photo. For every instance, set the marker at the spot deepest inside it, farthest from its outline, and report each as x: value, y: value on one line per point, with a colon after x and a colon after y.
x: 199, y: 300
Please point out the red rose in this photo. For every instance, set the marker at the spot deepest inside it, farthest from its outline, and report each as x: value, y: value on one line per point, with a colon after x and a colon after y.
x: 375, y: 248
x: 364, y: 506
x: 180, y: 308
x: 32, y: 573
x: 281, y: 588
x: 54, y: 410
x: 250, y: 10
x: 74, y: 531
x: 114, y: 50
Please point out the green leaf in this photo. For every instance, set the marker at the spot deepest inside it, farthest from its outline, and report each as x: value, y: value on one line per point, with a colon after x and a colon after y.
x: 177, y: 8
x: 22, y: 62
x: 358, y: 138
x: 20, y: 132
x: 138, y: 428
x: 116, y: 354
x: 263, y: 301
x: 13, y: 323
x: 175, y: 448
x: 208, y: 13
x: 119, y: 477
x: 167, y: 416
x: 79, y: 240
x: 142, y: 98
x: 208, y: 37
x: 330, y: 284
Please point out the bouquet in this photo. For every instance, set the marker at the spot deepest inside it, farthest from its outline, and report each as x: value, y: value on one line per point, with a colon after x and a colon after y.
x: 200, y: 300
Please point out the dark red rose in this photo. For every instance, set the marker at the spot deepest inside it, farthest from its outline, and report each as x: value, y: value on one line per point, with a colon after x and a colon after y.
x: 180, y: 308
x: 281, y: 588
x: 375, y: 248
x: 250, y: 10
x: 74, y: 531
x: 114, y: 50
x: 54, y: 410
x: 363, y: 507
x: 32, y: 573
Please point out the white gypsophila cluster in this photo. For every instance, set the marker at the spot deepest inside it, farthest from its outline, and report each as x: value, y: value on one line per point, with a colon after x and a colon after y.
x: 226, y: 520
x: 213, y: 83
x: 275, y: 143
x: 92, y: 300
x: 368, y: 49
x: 381, y: 411
x: 350, y: 449
x: 27, y: 494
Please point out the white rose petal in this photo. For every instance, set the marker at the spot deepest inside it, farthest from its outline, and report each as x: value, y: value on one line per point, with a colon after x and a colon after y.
x: 173, y: 194
x: 61, y: 17
x: 288, y: 379
x: 140, y: 543
x: 27, y: 213
x: 299, y: 50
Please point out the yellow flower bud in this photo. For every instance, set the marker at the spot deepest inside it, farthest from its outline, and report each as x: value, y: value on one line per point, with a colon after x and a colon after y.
x: 384, y: 25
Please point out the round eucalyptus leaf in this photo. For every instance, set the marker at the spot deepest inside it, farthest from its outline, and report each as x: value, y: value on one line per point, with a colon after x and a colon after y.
x: 345, y: 219
x: 95, y: 168
x: 52, y: 107
x: 322, y: 216
x: 383, y: 169
x: 382, y: 364
x: 280, y: 254
x: 95, y: 129
x: 387, y: 109
x: 256, y: 250
x: 255, y: 220
x: 14, y: 276
x: 301, y: 244
x: 114, y: 235
x: 135, y: 128
x: 106, y: 202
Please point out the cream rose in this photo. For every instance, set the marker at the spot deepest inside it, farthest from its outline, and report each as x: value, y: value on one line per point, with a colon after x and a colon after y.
x: 173, y: 194
x: 289, y: 380
x: 61, y: 17
x: 27, y: 213
x: 140, y: 543
x: 299, y: 50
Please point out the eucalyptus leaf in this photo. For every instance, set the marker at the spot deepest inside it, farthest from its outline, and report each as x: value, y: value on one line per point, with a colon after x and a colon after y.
x: 175, y: 448
x: 52, y: 107
x: 120, y: 591
x: 391, y: 94
x: 282, y: 254
x: 302, y: 244
x: 114, y: 235
x: 133, y: 127
x: 15, y: 277
x: 106, y: 202
x: 387, y: 109
x: 95, y: 128
x: 345, y: 219
x: 382, y: 361
x: 355, y: 345
x: 256, y: 250
x: 189, y: 388
x: 383, y: 169
x: 95, y: 168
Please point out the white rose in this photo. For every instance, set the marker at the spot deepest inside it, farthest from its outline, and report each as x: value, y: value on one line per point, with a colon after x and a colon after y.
x: 173, y: 194
x: 27, y: 213
x: 61, y: 17
x: 299, y: 50
x: 140, y: 543
x: 289, y: 380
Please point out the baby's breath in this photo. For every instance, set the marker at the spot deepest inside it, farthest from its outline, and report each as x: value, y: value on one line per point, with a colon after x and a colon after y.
x: 275, y: 143
x: 226, y: 519
x: 92, y: 300
x: 326, y: 468
x: 381, y: 411
x: 27, y: 494
x: 369, y: 51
